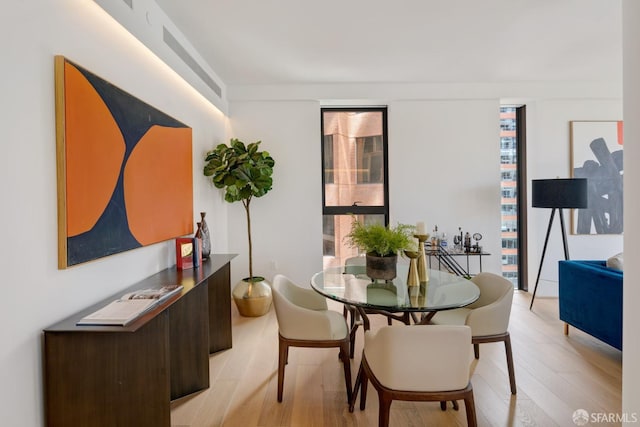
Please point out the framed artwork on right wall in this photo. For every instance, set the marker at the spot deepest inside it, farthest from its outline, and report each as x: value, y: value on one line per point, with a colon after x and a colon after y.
x: 596, y: 154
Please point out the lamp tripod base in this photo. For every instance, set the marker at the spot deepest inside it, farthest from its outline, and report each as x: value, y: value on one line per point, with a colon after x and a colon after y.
x: 544, y: 248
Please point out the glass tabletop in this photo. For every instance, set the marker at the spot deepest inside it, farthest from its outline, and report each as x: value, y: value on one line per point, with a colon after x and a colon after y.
x: 443, y: 291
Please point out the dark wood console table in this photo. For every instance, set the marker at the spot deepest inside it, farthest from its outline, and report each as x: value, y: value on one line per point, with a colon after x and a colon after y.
x: 127, y: 376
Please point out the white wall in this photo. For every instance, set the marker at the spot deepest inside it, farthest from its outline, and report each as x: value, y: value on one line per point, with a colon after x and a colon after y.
x: 35, y: 293
x: 287, y: 221
x: 444, y: 168
x: 548, y: 156
x: 430, y: 160
x: 631, y: 315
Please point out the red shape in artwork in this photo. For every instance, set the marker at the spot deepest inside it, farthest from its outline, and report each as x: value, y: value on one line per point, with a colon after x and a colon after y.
x: 620, y: 129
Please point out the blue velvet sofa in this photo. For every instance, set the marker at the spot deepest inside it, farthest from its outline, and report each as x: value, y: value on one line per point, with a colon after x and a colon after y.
x: 590, y: 299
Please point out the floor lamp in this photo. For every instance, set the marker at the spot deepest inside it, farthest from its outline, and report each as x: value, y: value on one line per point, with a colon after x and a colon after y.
x: 557, y: 194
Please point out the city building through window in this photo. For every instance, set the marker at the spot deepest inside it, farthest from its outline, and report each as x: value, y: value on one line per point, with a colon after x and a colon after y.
x: 354, y: 175
x: 513, y: 233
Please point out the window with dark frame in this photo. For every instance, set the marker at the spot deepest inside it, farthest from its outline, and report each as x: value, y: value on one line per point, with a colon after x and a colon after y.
x: 354, y: 175
x: 513, y: 185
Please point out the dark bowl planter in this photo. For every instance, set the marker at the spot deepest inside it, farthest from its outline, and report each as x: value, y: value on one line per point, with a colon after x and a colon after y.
x: 381, y: 267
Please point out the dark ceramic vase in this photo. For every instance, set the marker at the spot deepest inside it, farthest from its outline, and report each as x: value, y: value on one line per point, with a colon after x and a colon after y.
x: 203, y: 234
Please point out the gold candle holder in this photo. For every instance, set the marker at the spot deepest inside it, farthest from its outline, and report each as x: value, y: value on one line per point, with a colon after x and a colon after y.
x: 423, y: 274
x: 413, y: 279
x: 418, y: 295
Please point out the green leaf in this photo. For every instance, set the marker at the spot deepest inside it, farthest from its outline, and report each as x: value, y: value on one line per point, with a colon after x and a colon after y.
x: 242, y: 171
x: 241, y: 166
x: 380, y: 239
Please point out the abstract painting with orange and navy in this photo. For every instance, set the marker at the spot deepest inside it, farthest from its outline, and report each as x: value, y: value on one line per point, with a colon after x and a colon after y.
x: 125, y: 174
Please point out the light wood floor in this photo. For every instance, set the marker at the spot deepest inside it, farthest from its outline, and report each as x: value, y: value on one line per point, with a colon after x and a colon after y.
x: 555, y: 375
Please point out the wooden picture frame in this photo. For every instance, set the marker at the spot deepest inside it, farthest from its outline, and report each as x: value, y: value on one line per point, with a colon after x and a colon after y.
x: 124, y: 169
x: 597, y: 154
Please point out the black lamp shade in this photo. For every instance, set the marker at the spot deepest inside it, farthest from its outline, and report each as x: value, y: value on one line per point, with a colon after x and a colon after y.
x: 559, y: 193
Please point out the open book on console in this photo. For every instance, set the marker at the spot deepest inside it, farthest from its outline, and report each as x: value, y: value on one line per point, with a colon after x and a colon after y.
x: 130, y: 306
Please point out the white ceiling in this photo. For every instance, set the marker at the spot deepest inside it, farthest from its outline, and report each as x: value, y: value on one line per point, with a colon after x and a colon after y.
x: 403, y: 41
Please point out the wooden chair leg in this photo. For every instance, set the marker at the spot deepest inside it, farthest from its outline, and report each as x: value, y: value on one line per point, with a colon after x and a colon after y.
x: 353, y: 315
x: 283, y: 351
x: 363, y: 389
x: 470, y: 408
x: 385, y: 408
x: 352, y: 341
x: 344, y: 355
x: 476, y: 350
x: 512, y: 376
x: 454, y: 403
x: 566, y: 329
x: 356, y: 388
x: 353, y: 327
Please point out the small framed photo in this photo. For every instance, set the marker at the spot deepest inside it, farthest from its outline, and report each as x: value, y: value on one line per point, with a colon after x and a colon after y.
x: 184, y: 253
x: 188, y: 252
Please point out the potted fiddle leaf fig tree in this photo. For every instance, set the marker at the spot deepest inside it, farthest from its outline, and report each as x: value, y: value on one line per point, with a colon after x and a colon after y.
x: 381, y: 245
x: 244, y: 172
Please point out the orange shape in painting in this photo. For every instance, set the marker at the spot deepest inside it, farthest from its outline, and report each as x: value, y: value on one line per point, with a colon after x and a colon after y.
x: 620, y: 133
x: 158, y: 185
x: 94, y: 152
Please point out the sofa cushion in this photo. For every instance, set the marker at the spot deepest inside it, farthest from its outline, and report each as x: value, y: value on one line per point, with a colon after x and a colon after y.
x: 616, y: 262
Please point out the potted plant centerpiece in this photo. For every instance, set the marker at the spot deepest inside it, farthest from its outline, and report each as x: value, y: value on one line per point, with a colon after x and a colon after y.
x: 244, y: 172
x: 381, y: 245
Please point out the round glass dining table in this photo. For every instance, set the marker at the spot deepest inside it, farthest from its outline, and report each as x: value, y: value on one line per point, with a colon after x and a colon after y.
x: 394, y: 298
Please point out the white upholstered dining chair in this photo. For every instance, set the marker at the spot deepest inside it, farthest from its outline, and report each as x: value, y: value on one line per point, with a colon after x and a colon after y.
x: 355, y: 265
x: 416, y: 363
x: 488, y: 317
x: 305, y: 321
